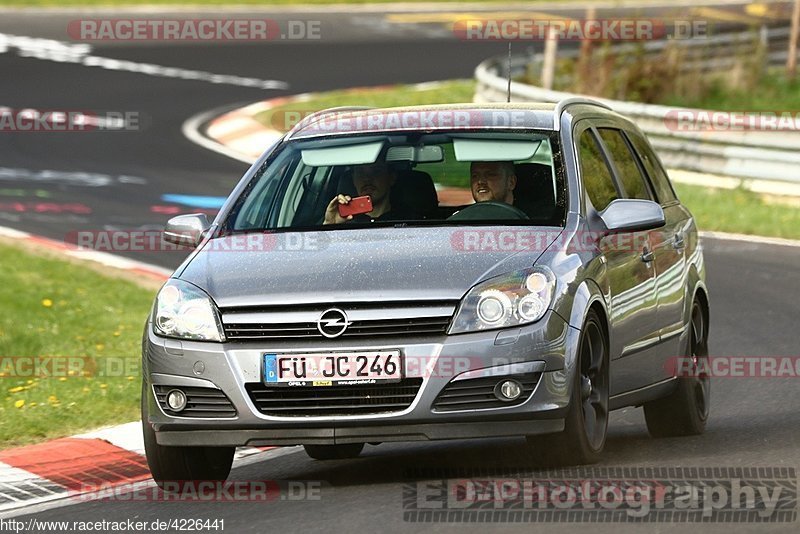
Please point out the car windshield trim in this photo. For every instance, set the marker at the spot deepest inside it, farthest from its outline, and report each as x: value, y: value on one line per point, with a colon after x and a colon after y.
x: 286, y: 193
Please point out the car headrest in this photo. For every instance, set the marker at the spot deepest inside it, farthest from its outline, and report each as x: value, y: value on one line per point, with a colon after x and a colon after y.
x: 534, y: 193
x: 414, y: 191
x: 346, y: 186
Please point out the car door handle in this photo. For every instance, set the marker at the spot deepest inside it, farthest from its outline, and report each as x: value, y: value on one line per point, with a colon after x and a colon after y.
x: 679, y: 242
x: 647, y: 255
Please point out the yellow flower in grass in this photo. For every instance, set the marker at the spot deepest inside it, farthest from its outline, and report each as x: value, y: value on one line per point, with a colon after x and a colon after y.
x: 16, y: 389
x: 19, y: 404
x: 47, y: 303
x: 52, y: 399
x: 103, y: 386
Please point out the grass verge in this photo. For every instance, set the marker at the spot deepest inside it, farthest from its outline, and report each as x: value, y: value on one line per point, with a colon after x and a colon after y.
x: 284, y: 117
x: 81, y: 320
x: 61, y: 3
x: 739, y: 211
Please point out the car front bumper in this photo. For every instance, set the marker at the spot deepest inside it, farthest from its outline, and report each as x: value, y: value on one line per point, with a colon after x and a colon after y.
x: 549, y: 346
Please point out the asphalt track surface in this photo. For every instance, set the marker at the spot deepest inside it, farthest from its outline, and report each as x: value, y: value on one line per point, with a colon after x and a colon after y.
x: 754, y: 288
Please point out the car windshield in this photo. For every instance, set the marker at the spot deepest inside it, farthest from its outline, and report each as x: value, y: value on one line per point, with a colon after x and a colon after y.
x: 451, y: 178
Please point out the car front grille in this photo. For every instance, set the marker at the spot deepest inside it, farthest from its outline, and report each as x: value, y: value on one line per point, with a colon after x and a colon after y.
x: 478, y: 393
x: 385, y: 327
x: 365, y: 320
x: 291, y: 401
x: 200, y: 402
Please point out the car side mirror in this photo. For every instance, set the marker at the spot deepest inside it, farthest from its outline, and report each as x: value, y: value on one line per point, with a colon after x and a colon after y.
x: 186, y: 230
x: 632, y: 215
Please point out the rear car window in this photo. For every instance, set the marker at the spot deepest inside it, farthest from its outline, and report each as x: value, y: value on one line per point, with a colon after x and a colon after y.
x: 633, y: 181
x: 658, y: 177
x: 596, y: 175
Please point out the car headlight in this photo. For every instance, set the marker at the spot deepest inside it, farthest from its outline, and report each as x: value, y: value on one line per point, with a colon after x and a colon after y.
x: 184, y: 311
x: 511, y: 299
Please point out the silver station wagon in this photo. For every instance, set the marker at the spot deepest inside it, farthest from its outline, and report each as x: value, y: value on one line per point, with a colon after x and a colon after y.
x: 430, y: 273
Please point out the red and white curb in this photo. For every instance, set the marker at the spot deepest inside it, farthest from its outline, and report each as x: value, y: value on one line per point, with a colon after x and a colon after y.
x: 146, y: 270
x: 73, y: 469
x: 238, y: 135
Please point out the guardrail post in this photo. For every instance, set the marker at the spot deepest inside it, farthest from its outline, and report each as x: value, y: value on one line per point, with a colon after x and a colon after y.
x: 549, y: 63
x: 791, y: 60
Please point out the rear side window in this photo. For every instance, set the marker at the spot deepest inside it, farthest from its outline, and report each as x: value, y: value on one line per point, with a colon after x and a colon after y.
x: 595, y: 172
x: 651, y: 164
x: 632, y: 179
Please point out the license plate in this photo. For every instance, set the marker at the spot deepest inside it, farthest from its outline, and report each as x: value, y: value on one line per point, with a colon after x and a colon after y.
x: 332, y: 369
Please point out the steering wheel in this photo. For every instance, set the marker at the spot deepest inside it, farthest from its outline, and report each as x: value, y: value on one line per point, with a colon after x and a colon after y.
x: 489, y: 210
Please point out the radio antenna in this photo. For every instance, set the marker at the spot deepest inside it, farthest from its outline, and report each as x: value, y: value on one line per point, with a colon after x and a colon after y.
x: 509, y: 72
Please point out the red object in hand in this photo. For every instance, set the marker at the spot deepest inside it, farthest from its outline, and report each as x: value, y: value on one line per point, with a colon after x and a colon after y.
x: 356, y: 206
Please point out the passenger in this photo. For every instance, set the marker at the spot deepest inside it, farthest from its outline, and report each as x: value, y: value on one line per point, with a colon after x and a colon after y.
x: 374, y: 180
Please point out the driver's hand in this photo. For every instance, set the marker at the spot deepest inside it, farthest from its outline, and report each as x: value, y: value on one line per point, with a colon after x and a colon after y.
x: 332, y: 211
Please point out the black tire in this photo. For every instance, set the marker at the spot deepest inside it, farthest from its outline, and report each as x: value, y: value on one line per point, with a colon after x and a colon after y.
x: 586, y: 424
x: 685, y: 411
x: 334, y: 452
x: 180, y: 465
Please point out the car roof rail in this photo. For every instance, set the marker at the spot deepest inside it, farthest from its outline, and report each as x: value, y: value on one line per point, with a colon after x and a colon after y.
x: 317, y: 115
x: 564, y: 103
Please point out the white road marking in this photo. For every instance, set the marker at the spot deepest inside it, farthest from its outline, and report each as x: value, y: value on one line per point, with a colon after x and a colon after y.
x: 760, y: 240
x: 13, y: 480
x: 127, y: 436
x: 77, y: 178
x: 191, y: 130
x: 80, y: 53
x: 71, y: 498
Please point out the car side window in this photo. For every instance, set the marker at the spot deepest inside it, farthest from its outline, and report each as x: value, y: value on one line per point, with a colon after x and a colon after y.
x: 633, y: 181
x: 653, y: 168
x: 596, y: 175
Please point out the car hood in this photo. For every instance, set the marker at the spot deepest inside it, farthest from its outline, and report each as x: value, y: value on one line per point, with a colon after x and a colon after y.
x: 358, y: 265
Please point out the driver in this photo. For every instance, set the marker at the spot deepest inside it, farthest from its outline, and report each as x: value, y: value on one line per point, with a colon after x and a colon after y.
x: 492, y: 181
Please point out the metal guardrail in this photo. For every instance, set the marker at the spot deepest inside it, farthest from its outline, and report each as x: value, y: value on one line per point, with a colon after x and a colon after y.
x: 753, y: 154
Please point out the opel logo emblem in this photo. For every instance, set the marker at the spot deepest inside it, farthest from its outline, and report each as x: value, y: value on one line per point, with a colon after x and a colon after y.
x: 332, y: 323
